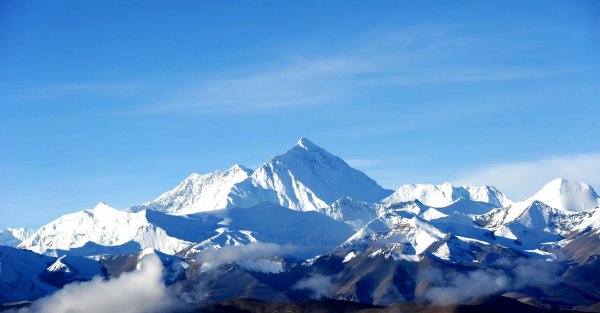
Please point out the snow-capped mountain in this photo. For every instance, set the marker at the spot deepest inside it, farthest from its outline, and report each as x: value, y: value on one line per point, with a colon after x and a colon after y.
x: 396, y: 231
x: 567, y: 196
x: 305, y: 178
x: 560, y: 209
x: 103, y: 230
x: 12, y: 237
x: 445, y: 194
x: 198, y: 193
x: 353, y: 212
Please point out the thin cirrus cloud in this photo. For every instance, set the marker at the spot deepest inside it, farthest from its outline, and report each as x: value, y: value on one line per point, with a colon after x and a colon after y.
x: 84, y: 88
x: 398, y: 57
x: 520, y: 180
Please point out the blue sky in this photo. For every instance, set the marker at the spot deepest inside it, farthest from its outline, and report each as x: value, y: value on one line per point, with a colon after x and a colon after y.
x: 118, y: 102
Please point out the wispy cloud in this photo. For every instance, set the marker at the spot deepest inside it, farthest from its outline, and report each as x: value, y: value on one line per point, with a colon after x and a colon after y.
x: 211, y: 258
x: 76, y: 89
x: 426, y: 54
x: 520, y: 180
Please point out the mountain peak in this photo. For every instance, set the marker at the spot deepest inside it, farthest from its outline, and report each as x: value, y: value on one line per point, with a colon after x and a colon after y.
x: 307, y: 145
x: 101, y: 206
x: 102, y: 209
x: 567, y: 195
x: 305, y: 178
x: 238, y: 168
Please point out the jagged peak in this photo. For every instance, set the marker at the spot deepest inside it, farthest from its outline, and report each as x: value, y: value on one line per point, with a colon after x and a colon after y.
x: 307, y: 145
x: 102, y: 206
x: 103, y: 209
x: 238, y: 167
x: 235, y: 168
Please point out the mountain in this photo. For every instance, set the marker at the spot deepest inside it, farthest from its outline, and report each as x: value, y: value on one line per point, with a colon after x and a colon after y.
x: 305, y: 178
x: 568, y: 196
x: 560, y: 209
x: 198, y: 193
x: 12, y: 237
x: 104, y: 230
x: 26, y: 275
x: 307, y: 225
x: 445, y: 194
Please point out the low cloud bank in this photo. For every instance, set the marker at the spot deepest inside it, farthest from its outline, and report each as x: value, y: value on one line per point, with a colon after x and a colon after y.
x: 141, y: 291
x: 317, y: 284
x: 211, y: 258
x: 508, y: 275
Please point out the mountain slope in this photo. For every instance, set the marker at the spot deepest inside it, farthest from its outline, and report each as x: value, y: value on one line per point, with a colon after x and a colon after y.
x: 305, y: 178
x: 26, y: 275
x: 198, y: 193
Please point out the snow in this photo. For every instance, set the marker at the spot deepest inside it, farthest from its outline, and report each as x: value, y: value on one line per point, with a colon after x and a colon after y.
x: 305, y: 178
x: 396, y: 232
x: 262, y: 265
x: 12, y: 237
x: 445, y: 194
x: 443, y: 252
x: 471, y: 240
x: 104, y: 226
x: 198, y: 193
x: 433, y: 214
x: 568, y: 196
x: 312, y: 200
x: 349, y: 257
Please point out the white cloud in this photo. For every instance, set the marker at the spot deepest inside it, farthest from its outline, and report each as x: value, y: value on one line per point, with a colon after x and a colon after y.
x: 315, y: 283
x: 406, y: 56
x: 141, y: 291
x: 211, y: 258
x: 457, y: 287
x: 519, y: 180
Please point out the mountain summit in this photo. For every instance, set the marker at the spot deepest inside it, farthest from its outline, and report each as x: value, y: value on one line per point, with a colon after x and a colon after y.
x: 568, y: 196
x: 305, y: 178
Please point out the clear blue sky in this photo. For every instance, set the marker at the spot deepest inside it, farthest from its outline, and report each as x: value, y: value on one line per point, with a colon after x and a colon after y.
x: 118, y: 101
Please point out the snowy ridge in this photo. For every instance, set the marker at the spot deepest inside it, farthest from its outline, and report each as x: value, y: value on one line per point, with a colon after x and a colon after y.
x: 353, y: 212
x: 104, y: 226
x: 198, y: 193
x: 12, y: 237
x: 445, y: 194
x: 398, y: 231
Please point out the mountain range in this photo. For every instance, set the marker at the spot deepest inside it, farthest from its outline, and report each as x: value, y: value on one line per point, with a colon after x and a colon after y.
x: 305, y: 224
